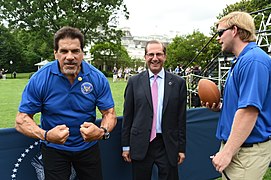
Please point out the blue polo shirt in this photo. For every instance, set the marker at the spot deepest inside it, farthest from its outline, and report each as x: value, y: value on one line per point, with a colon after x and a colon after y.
x: 49, y: 92
x: 248, y: 84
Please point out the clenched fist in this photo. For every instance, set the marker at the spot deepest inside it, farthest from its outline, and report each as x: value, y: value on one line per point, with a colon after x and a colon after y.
x: 90, y: 132
x: 58, y: 134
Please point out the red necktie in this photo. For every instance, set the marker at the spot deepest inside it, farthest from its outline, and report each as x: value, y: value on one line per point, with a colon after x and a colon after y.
x: 154, y: 92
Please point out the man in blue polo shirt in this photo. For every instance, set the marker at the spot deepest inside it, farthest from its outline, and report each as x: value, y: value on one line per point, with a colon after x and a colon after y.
x: 244, y: 127
x: 67, y: 92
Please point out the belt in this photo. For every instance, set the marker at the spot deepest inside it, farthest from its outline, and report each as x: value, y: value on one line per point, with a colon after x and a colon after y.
x: 246, y: 145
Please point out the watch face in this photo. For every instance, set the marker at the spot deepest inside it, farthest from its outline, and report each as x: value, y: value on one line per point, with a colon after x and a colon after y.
x: 106, y: 135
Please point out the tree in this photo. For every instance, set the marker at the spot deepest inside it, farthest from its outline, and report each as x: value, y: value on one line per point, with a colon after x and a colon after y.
x: 33, y: 49
x: 253, y: 7
x: 250, y: 6
x: 107, y: 55
x: 96, y: 19
x: 10, y: 50
x: 184, y: 48
x: 124, y: 59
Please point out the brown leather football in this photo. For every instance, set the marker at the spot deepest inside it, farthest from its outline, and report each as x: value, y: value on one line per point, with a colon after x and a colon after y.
x: 208, y: 91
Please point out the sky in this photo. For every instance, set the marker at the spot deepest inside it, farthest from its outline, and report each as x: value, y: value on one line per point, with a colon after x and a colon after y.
x: 171, y: 17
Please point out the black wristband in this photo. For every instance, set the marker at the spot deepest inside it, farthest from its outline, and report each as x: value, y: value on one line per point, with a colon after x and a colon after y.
x: 105, y: 130
x: 45, y: 136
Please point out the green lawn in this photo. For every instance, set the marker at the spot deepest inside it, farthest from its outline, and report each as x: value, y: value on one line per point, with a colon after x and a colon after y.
x: 11, y: 91
x: 10, y: 95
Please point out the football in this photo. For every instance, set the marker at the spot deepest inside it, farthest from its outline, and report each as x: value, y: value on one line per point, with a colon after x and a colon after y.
x: 208, y: 91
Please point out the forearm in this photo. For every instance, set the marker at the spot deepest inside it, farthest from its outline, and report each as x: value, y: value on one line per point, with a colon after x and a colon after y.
x: 109, y: 119
x: 243, y: 124
x: 27, y: 126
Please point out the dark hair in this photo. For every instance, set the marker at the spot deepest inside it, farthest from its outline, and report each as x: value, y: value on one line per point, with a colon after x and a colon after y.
x: 68, y: 32
x: 155, y: 42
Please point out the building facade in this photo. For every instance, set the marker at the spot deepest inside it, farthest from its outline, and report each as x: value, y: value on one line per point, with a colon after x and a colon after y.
x: 135, y: 45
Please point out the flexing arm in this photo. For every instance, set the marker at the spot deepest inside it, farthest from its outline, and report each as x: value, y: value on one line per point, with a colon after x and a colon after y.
x: 27, y: 126
x: 109, y: 120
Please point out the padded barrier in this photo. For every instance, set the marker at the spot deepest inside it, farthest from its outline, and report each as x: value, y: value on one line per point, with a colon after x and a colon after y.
x: 20, y: 157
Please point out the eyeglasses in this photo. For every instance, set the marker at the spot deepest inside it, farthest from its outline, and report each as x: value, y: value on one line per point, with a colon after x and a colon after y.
x: 221, y: 31
x: 158, y: 55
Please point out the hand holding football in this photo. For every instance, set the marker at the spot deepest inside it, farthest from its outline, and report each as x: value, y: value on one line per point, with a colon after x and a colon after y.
x: 208, y: 92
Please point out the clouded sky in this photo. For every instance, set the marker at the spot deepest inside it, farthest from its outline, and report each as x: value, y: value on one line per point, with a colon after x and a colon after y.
x: 171, y: 17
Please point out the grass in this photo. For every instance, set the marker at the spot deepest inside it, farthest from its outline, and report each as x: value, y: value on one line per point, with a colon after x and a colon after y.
x: 117, y: 89
x: 10, y: 95
x: 11, y: 91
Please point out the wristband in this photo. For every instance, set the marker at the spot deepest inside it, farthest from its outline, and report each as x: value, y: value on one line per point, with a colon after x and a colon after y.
x: 45, y: 136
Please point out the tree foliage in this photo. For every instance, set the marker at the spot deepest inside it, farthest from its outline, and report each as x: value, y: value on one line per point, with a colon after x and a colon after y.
x: 256, y: 8
x: 109, y: 54
x: 184, y: 48
x: 10, y: 50
x: 33, y: 49
x: 39, y: 20
x: 95, y: 18
x: 249, y: 6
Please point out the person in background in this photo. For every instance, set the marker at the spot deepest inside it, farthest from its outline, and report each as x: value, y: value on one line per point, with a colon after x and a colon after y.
x: 66, y: 92
x: 177, y: 70
x: 196, y: 70
x: 154, y: 119
x: 115, y: 74
x: 14, y: 74
x: 244, y: 127
x: 120, y: 73
x: 126, y: 73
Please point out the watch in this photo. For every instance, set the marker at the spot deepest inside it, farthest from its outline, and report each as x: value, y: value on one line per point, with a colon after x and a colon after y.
x: 106, y: 133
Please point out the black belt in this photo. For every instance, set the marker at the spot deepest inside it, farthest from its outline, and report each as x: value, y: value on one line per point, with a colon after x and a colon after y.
x: 245, y: 145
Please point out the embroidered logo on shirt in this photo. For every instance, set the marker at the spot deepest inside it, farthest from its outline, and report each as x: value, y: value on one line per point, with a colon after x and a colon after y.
x: 86, y: 88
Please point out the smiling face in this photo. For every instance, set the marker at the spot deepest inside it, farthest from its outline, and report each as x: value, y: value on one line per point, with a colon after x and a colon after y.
x: 155, y: 57
x: 69, y: 56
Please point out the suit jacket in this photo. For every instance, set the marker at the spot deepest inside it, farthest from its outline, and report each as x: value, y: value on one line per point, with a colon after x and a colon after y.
x: 138, y: 115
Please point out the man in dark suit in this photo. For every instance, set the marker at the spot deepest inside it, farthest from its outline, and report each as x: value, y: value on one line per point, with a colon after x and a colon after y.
x: 167, y: 148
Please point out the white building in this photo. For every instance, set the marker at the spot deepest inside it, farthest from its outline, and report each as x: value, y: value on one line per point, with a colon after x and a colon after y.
x: 135, y: 45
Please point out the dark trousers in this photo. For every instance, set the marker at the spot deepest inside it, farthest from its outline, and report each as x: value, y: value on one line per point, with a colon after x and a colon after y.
x: 142, y: 170
x: 58, y: 163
